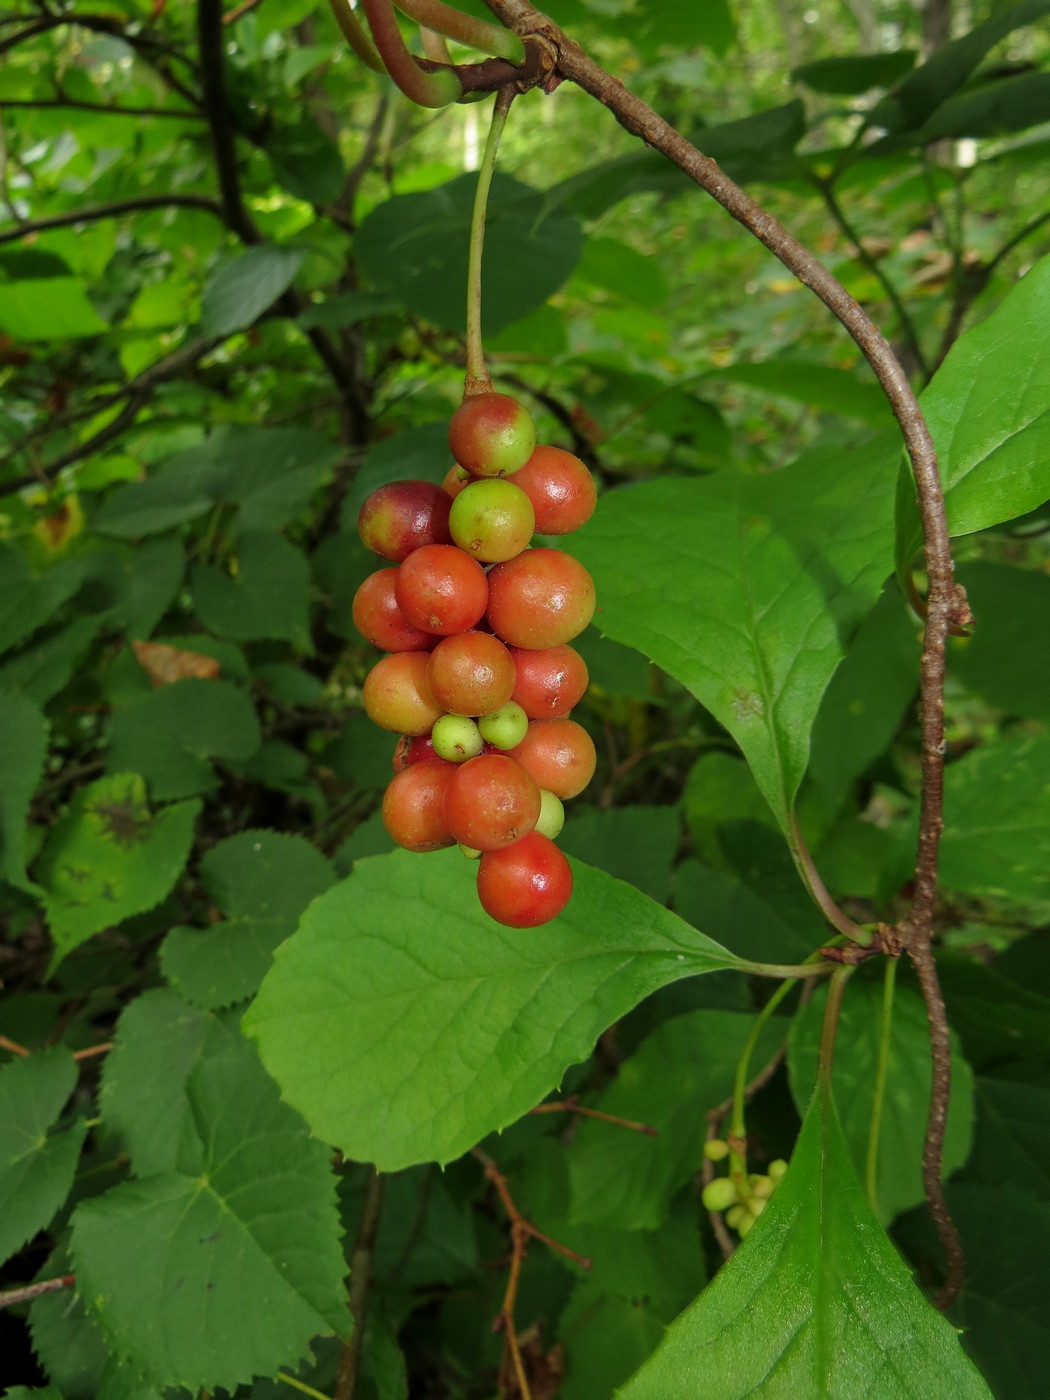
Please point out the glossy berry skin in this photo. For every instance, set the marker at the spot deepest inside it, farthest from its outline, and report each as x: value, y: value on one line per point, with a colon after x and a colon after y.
x: 414, y: 806
x: 491, y: 802
x: 560, y: 755
x: 539, y: 599
x: 403, y: 516
x: 562, y: 490
x: 397, y: 694
x: 412, y: 749
x: 491, y: 435
x: 504, y: 728
x: 456, y: 480
x: 548, y: 683
x: 525, y: 885
x: 471, y: 674
x: 552, y: 815
x: 456, y: 738
x: 441, y: 590
x: 379, y: 619
x: 492, y: 520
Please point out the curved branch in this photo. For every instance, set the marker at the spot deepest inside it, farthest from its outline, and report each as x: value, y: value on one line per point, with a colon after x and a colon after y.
x: 105, y: 109
x: 113, y: 211
x: 428, y: 89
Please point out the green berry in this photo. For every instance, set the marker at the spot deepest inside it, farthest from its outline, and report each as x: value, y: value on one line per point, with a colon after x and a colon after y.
x: 504, y: 728
x: 492, y: 520
x: 762, y: 1187
x: 552, y: 815
x: 456, y: 738
x: 734, y: 1215
x: 756, y: 1206
x: 745, y: 1225
x: 719, y: 1194
x: 715, y: 1150
x: 776, y: 1169
x: 471, y: 852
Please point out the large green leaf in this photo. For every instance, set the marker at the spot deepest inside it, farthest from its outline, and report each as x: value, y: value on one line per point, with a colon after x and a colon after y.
x: 41, y: 669
x: 168, y: 735
x: 815, y: 1302
x: 1012, y: 1136
x: 48, y: 308
x: 109, y: 857
x: 988, y: 408
x: 1004, y: 660
x: 239, y: 291
x: 447, y: 1024
x: 267, y: 597
x: 23, y: 748
x: 262, y: 881
x: 414, y: 248
x: 626, y: 1180
x: 26, y: 603
x: 36, y: 1168
x: 244, y: 1226
x: 854, y: 74
x: 636, y: 844
x: 907, y: 1096
x: 748, y: 589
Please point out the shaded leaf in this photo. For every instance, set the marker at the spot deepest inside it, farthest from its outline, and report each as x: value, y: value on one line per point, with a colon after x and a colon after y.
x: 854, y: 74
x: 454, y: 1025
x: 1003, y: 660
x: 23, y: 748
x: 636, y: 844
x: 266, y: 598
x: 825, y: 387
x: 1012, y: 1137
x: 239, y: 291
x: 44, y: 667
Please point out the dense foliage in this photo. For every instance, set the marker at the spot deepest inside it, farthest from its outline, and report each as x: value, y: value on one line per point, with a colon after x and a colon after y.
x: 260, y: 1073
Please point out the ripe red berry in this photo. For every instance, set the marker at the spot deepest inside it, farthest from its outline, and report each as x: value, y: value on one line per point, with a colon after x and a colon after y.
x: 402, y: 516
x: 414, y: 806
x: 491, y: 802
x: 560, y: 755
x: 412, y: 749
x: 397, y: 694
x: 441, y: 590
x: 456, y: 479
x: 379, y: 619
x: 491, y: 434
x: 562, y: 491
x: 550, y: 682
x: 526, y: 884
x: 541, y: 598
x: 471, y: 674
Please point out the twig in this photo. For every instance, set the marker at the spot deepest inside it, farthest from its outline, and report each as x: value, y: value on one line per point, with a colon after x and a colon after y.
x: 242, y: 9
x: 108, y: 109
x: 113, y: 211
x: 360, y: 1278
x: 35, y: 1290
x: 13, y: 1046
x: 571, y: 1105
x: 93, y: 1050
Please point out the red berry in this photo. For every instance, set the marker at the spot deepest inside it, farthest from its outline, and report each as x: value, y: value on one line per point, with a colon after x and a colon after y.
x: 550, y: 682
x: 402, y: 516
x: 414, y: 806
x: 525, y: 885
x: 491, y: 435
x: 412, y: 749
x: 441, y: 590
x: 456, y: 480
x: 471, y: 674
x: 491, y: 802
x: 559, y: 753
x: 379, y: 619
x: 561, y: 489
x: 542, y: 598
x: 397, y: 694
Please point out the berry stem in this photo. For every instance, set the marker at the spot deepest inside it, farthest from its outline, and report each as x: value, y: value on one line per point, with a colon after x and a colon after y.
x: 871, y: 1167
x: 426, y: 89
x: 477, y: 377
x: 465, y: 29
x: 355, y: 35
x: 737, y: 1126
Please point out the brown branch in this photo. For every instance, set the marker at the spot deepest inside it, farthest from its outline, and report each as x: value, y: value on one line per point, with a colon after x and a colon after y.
x: 572, y: 1105
x: 105, y: 108
x: 93, y: 1050
x: 35, y: 1290
x: 242, y: 9
x: 112, y: 211
x: 944, y: 596
x: 13, y: 1046
x: 360, y: 1279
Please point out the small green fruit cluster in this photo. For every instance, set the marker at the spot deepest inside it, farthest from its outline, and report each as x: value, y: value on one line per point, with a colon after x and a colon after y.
x: 479, y: 679
x: 743, y: 1198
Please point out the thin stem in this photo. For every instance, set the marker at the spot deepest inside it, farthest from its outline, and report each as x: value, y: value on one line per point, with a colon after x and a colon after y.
x: 779, y: 970
x: 571, y: 1106
x: 113, y: 211
x: 878, y: 1098
x: 737, y: 1125
x: 35, y: 1290
x: 13, y: 1046
x: 301, y: 1385
x: 360, y: 1278
x: 465, y: 29
x: 830, y: 1026
x: 818, y: 891
x: 426, y: 89
x: 108, y: 109
x: 477, y: 377
x: 355, y: 35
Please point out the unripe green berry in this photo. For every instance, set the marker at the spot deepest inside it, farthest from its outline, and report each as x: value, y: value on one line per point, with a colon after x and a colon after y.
x: 504, y: 728
x: 762, y: 1187
x: 756, y: 1205
x: 456, y: 738
x: 745, y: 1225
x: 719, y: 1194
x: 776, y: 1169
x: 715, y: 1150
x: 734, y: 1215
x: 552, y: 815
x: 471, y: 852
x: 492, y: 520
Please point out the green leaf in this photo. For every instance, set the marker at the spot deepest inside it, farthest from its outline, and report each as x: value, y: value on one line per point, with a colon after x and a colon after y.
x: 823, y: 386
x: 185, y: 488
x: 414, y: 248
x: 23, y: 748
x: 109, y: 857
x: 239, y: 291
x: 267, y: 597
x: 993, y: 109
x: 636, y: 844
x: 1012, y: 1137
x: 245, y: 1226
x: 42, y: 669
x: 626, y: 1180
x: 996, y: 842
x: 48, y: 308
x: 988, y: 408
x: 907, y: 1097
x: 36, y: 1168
x: 154, y: 573
x: 1001, y: 661
x: 619, y: 268
x: 347, y: 309
x: 997, y: 1021
x: 926, y: 87
x: 26, y: 603
x: 262, y: 881
x: 815, y: 1302
x: 748, y: 590
x: 419, y: 453
x: 738, y: 915
x: 453, y: 1025
x: 306, y: 162
x: 855, y: 74
x: 168, y: 735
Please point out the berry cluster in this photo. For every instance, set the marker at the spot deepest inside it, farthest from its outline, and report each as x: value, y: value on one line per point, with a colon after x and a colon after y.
x: 743, y: 1198
x: 480, y: 681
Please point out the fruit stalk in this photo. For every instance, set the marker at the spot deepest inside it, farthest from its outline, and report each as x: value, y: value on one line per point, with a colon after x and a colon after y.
x: 477, y: 377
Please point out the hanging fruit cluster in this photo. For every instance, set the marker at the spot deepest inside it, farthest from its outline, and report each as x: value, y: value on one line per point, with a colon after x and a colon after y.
x: 480, y: 680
